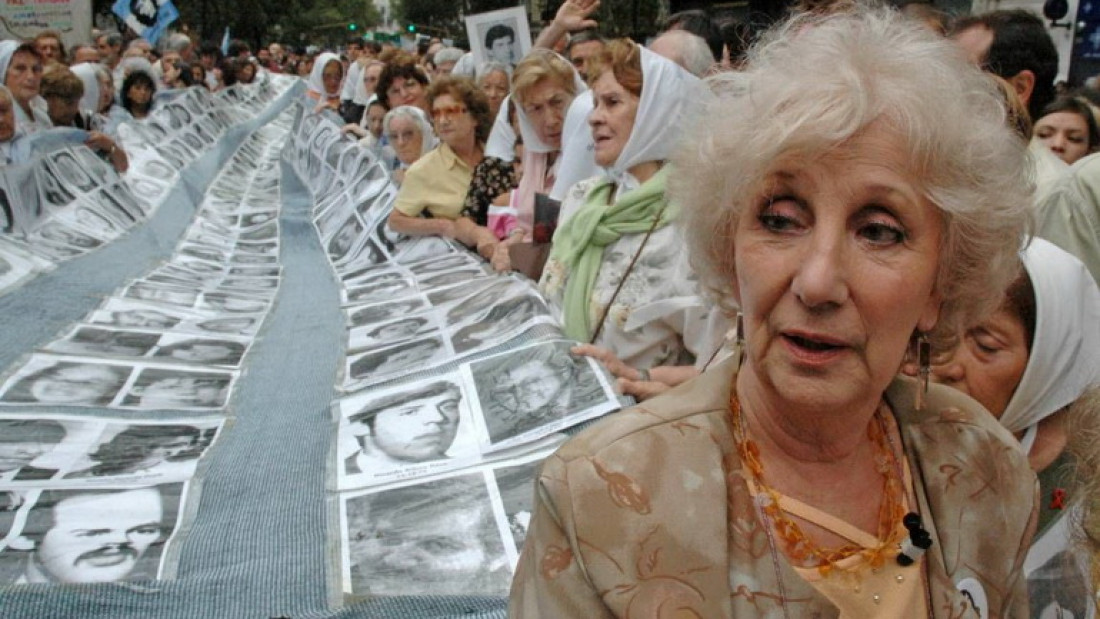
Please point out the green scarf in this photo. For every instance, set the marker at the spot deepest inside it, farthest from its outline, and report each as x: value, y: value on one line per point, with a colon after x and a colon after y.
x: 579, y: 243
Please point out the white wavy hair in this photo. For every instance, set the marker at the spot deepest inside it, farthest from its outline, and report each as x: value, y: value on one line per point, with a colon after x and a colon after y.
x: 814, y: 83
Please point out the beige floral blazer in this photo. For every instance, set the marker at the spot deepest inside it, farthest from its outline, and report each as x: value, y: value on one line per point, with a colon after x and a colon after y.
x: 637, y: 516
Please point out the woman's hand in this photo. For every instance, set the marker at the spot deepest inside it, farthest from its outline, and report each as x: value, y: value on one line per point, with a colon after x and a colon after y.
x: 354, y: 129
x: 103, y: 143
x: 501, y: 261
x: 632, y: 381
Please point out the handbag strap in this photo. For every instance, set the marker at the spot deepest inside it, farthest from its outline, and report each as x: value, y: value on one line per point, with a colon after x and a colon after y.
x: 629, y: 269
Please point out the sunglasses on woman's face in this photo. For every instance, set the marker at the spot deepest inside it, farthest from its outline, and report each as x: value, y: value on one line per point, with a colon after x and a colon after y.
x: 448, y: 111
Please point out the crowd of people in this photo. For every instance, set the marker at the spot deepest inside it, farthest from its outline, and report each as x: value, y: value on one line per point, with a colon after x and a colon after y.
x: 775, y: 241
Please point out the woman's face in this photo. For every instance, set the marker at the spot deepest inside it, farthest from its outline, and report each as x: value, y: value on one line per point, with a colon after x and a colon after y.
x: 545, y: 105
x: 406, y: 139
x: 70, y: 384
x: 1064, y: 133
x: 198, y: 75
x: 407, y: 92
x: 989, y: 362
x: 375, y: 114
x: 331, y: 76
x: 836, y: 260
x: 248, y: 73
x: 370, y: 77
x: 106, y: 93
x: 612, y: 119
x: 495, y: 86
x: 24, y: 77
x: 453, y: 122
x: 140, y: 94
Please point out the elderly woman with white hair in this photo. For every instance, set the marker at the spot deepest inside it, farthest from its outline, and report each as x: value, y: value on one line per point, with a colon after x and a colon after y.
x: 21, y: 68
x: 409, y: 133
x: 821, y: 195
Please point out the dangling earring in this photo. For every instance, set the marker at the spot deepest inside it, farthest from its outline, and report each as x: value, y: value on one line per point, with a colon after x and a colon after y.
x: 924, y: 363
x: 738, y: 340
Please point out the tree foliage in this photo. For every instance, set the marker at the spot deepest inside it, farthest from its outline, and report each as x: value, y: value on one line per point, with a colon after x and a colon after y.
x: 296, y: 22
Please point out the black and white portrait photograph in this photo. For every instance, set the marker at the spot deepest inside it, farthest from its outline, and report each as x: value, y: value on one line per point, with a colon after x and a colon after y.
x: 420, y: 248
x: 26, y: 445
x: 176, y: 388
x: 499, y: 36
x: 414, y: 429
x: 438, y: 280
x: 456, y: 261
x: 58, y: 234
x: 157, y: 170
x: 231, y: 325
x: 71, y: 172
x: 371, y: 276
x: 64, y: 380
x: 161, y: 293
x: 503, y: 322
x: 391, y: 332
x: 94, y: 341
x: 516, y: 487
x: 232, y: 303
x: 530, y: 392
x: 378, y: 291
x: 86, y: 215
x: 434, y: 538
x: 201, y: 351
x: 359, y: 316
x: 491, y: 288
x: 386, y: 363
x: 156, y: 452
x: 91, y: 164
x: 132, y: 526
x: 52, y: 192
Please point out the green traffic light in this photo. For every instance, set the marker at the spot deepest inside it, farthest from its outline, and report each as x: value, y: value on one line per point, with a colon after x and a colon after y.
x: 352, y: 27
x: 411, y: 28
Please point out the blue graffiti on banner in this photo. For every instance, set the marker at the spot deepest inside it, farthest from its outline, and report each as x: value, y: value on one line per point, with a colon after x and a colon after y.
x: 147, y: 18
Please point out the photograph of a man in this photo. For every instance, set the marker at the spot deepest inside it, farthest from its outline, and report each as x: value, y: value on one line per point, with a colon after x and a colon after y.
x: 22, y: 441
x: 500, y: 44
x: 436, y: 538
x: 416, y: 425
x: 537, y: 387
x: 87, y: 536
x: 402, y: 358
x: 157, y: 388
x: 144, y: 449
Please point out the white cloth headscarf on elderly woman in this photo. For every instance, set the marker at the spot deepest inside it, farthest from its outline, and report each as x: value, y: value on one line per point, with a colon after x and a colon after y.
x: 658, y: 316
x: 86, y: 72
x: 316, y: 82
x: 39, y: 118
x: 536, y: 154
x: 1065, y: 349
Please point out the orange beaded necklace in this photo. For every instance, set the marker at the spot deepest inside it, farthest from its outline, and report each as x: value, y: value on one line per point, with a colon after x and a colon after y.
x: 798, y: 546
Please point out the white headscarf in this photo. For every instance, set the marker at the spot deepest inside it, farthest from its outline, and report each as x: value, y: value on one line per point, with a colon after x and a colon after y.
x: 417, y: 115
x: 531, y: 141
x: 7, y: 50
x: 316, y: 75
x: 87, y: 74
x: 1065, y: 349
x: 666, y: 87
x: 362, y: 97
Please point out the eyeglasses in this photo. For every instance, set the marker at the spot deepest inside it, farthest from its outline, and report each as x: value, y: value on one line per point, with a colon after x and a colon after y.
x: 448, y: 112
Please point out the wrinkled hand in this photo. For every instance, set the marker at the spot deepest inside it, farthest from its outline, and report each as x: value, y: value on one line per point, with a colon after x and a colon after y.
x: 103, y: 143
x: 573, y: 15
x: 613, y: 364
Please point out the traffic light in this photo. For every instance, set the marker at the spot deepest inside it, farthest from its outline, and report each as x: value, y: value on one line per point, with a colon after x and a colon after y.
x: 411, y: 27
x: 353, y: 27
